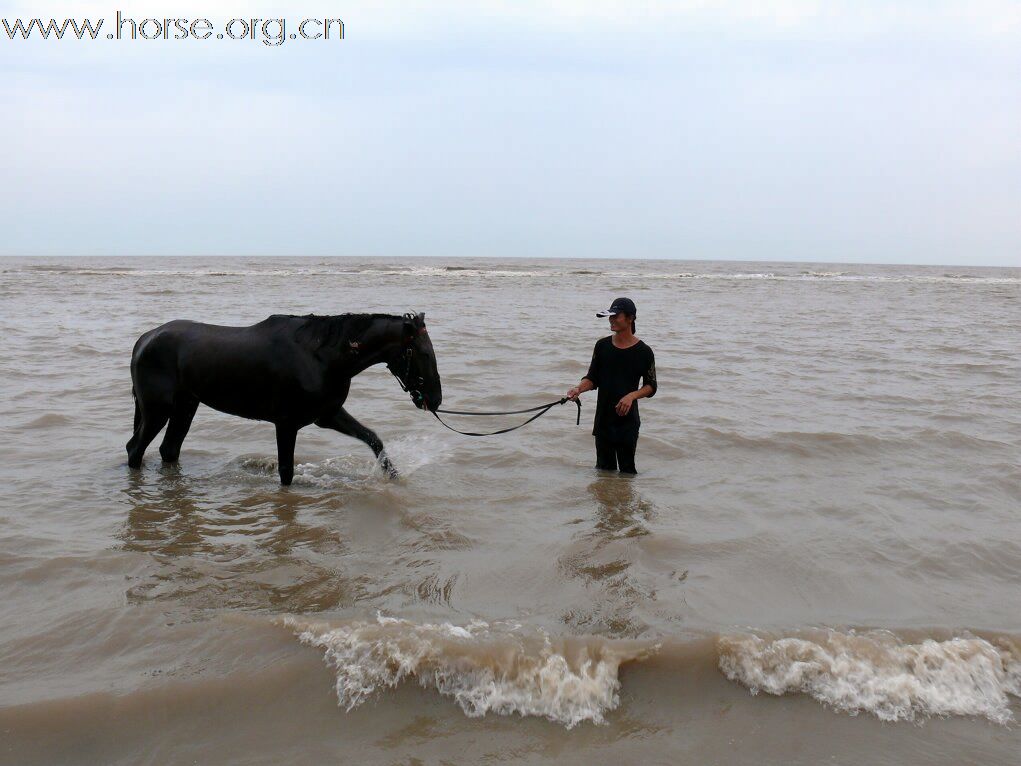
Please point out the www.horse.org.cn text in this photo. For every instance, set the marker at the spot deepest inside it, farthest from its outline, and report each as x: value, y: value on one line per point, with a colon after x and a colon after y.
x: 271, y: 32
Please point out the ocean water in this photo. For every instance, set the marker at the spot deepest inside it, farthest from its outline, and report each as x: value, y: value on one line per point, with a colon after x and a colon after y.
x: 819, y: 561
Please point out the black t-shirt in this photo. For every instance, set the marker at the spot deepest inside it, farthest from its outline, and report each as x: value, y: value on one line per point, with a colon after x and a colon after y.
x: 615, y: 372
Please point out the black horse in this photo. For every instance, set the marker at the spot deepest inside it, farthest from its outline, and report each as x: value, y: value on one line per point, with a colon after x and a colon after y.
x: 289, y: 370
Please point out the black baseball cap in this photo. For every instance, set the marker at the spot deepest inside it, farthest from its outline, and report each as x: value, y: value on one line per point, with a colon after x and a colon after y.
x: 619, y: 306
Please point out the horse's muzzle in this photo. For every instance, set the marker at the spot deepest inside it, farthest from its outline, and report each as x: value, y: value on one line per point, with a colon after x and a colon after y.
x: 423, y: 403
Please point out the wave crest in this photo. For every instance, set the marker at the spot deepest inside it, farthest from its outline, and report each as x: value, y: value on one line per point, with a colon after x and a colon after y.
x: 878, y: 673
x: 484, y: 668
x: 785, y: 273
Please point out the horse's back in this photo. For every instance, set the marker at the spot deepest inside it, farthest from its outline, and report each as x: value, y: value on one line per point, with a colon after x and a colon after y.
x: 182, y: 334
x: 232, y: 369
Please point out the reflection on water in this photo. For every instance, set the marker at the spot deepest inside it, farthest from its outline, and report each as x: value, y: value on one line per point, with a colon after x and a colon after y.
x: 621, y: 510
x: 177, y: 516
x: 214, y: 545
x: 603, y: 557
x: 249, y: 551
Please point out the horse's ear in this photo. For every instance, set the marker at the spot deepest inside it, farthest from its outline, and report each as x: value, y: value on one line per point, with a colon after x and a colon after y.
x: 421, y: 318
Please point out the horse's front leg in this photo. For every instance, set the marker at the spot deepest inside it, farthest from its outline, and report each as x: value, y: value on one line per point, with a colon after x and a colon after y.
x: 342, y: 421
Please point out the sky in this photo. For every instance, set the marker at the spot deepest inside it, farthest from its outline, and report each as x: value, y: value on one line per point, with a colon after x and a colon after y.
x: 876, y: 131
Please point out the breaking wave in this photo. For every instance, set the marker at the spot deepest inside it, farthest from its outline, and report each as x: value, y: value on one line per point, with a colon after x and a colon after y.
x: 501, y: 669
x: 505, y: 669
x: 876, y: 672
x: 503, y: 271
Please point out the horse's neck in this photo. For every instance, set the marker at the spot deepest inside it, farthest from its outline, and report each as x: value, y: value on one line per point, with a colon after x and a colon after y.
x: 375, y: 346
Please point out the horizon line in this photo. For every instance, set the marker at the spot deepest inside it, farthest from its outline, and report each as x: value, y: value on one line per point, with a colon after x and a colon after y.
x: 515, y: 257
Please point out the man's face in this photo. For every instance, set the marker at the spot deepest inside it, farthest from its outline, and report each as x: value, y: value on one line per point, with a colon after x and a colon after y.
x: 619, y: 322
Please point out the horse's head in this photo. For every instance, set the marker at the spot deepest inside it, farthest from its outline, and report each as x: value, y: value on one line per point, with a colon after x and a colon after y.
x: 414, y: 364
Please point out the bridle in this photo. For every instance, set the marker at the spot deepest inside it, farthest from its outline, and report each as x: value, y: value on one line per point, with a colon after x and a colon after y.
x: 411, y: 387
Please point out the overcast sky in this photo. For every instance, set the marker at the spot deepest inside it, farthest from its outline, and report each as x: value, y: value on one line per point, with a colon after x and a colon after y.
x: 868, y: 131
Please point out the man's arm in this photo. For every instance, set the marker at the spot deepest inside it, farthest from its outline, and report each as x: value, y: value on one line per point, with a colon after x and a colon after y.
x: 591, y: 379
x: 624, y: 405
x: 581, y: 388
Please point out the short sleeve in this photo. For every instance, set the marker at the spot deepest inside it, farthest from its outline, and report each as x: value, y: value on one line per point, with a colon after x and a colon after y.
x: 593, y: 368
x: 649, y: 376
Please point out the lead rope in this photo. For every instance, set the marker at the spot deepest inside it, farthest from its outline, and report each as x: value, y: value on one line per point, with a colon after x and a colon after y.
x: 539, y: 411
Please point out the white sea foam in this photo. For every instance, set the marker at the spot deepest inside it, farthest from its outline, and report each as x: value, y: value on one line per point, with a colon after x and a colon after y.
x: 357, y: 471
x: 484, y: 668
x: 408, y: 454
x: 351, y: 470
x: 258, y: 464
x: 482, y: 272
x: 878, y: 673
x: 356, y: 468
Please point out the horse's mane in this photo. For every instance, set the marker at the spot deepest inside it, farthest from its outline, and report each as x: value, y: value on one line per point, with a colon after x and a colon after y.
x: 327, y: 331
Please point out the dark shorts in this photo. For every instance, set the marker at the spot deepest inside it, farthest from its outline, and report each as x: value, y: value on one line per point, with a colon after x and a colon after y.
x: 616, y: 453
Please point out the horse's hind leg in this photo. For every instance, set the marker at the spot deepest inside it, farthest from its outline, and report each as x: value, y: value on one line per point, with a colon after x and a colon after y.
x: 154, y: 417
x: 138, y: 421
x: 286, y: 436
x: 180, y: 421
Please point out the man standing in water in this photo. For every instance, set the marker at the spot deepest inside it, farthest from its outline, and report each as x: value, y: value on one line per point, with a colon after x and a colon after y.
x: 618, y: 361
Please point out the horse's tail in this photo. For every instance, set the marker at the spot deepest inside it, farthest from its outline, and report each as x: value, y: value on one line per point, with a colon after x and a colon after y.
x: 136, y: 351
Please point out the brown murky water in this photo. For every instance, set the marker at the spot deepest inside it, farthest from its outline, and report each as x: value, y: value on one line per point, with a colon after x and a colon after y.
x: 820, y: 560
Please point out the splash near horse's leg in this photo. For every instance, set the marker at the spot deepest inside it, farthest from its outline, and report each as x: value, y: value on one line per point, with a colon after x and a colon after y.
x: 180, y: 422
x: 386, y: 465
x: 286, y: 436
x: 154, y: 417
x: 342, y: 421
